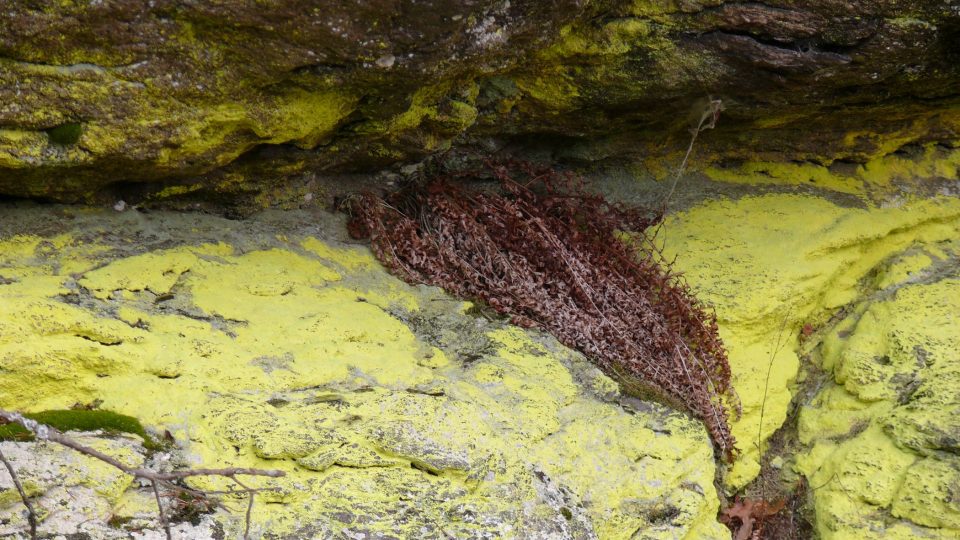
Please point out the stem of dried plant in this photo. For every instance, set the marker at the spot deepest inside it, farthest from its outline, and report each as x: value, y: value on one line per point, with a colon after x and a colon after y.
x: 160, y: 511
x: 707, y: 120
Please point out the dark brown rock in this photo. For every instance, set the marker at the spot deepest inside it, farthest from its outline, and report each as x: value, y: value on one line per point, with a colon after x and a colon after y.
x: 175, y: 92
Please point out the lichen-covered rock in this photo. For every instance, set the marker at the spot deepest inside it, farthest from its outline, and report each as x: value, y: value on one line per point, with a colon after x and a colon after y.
x: 196, y: 96
x: 871, y: 296
x: 72, y: 493
x: 113, y: 92
x: 272, y: 344
x: 397, y: 410
x: 883, y: 440
x: 771, y: 265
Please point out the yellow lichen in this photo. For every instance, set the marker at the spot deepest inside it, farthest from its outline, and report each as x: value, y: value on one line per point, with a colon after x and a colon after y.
x: 302, y: 356
x: 654, y: 9
x: 154, y: 272
x: 18, y: 146
x: 867, y: 180
x: 355, y: 259
x: 882, y: 439
x: 801, y: 174
x: 771, y: 264
x: 302, y: 117
x: 586, y: 57
x: 173, y: 191
x: 451, y: 108
x: 557, y: 92
x: 905, y: 266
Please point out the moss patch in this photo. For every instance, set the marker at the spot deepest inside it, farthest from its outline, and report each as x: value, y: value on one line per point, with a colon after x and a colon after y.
x: 79, y: 420
x: 65, y: 133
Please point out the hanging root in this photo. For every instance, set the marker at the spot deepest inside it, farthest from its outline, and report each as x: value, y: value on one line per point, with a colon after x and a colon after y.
x: 551, y: 256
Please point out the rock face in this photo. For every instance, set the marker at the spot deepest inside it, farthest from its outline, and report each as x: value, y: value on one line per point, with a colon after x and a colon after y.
x: 394, y: 412
x: 884, y: 438
x: 193, y: 96
x: 272, y: 342
x: 872, y: 298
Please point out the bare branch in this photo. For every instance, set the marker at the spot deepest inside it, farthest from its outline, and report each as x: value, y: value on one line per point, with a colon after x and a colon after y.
x: 31, y: 513
x: 46, y: 433
x: 163, y: 515
x: 251, y: 493
x: 709, y: 115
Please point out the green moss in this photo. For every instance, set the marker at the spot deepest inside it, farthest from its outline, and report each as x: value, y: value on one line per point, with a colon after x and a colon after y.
x: 80, y: 420
x: 65, y: 134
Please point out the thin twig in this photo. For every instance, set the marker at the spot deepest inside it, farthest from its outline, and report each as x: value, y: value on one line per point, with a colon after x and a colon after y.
x: 763, y: 403
x: 148, y: 474
x: 31, y: 513
x: 46, y: 433
x: 683, y: 165
x: 708, y: 120
x: 251, y: 493
x: 231, y: 491
x: 163, y: 515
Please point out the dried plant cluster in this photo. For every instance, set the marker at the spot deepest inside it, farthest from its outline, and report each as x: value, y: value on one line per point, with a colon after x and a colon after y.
x: 551, y: 256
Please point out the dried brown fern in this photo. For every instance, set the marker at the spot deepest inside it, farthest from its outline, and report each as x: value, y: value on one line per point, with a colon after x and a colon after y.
x: 551, y: 256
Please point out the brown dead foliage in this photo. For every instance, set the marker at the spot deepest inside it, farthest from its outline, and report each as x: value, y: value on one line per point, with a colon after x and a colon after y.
x: 747, y: 517
x: 542, y: 251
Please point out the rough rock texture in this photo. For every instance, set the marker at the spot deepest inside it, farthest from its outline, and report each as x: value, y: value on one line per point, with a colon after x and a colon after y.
x: 872, y: 297
x: 884, y: 438
x: 97, y: 96
x: 772, y: 264
x: 77, y: 495
x: 269, y: 342
x: 395, y: 412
